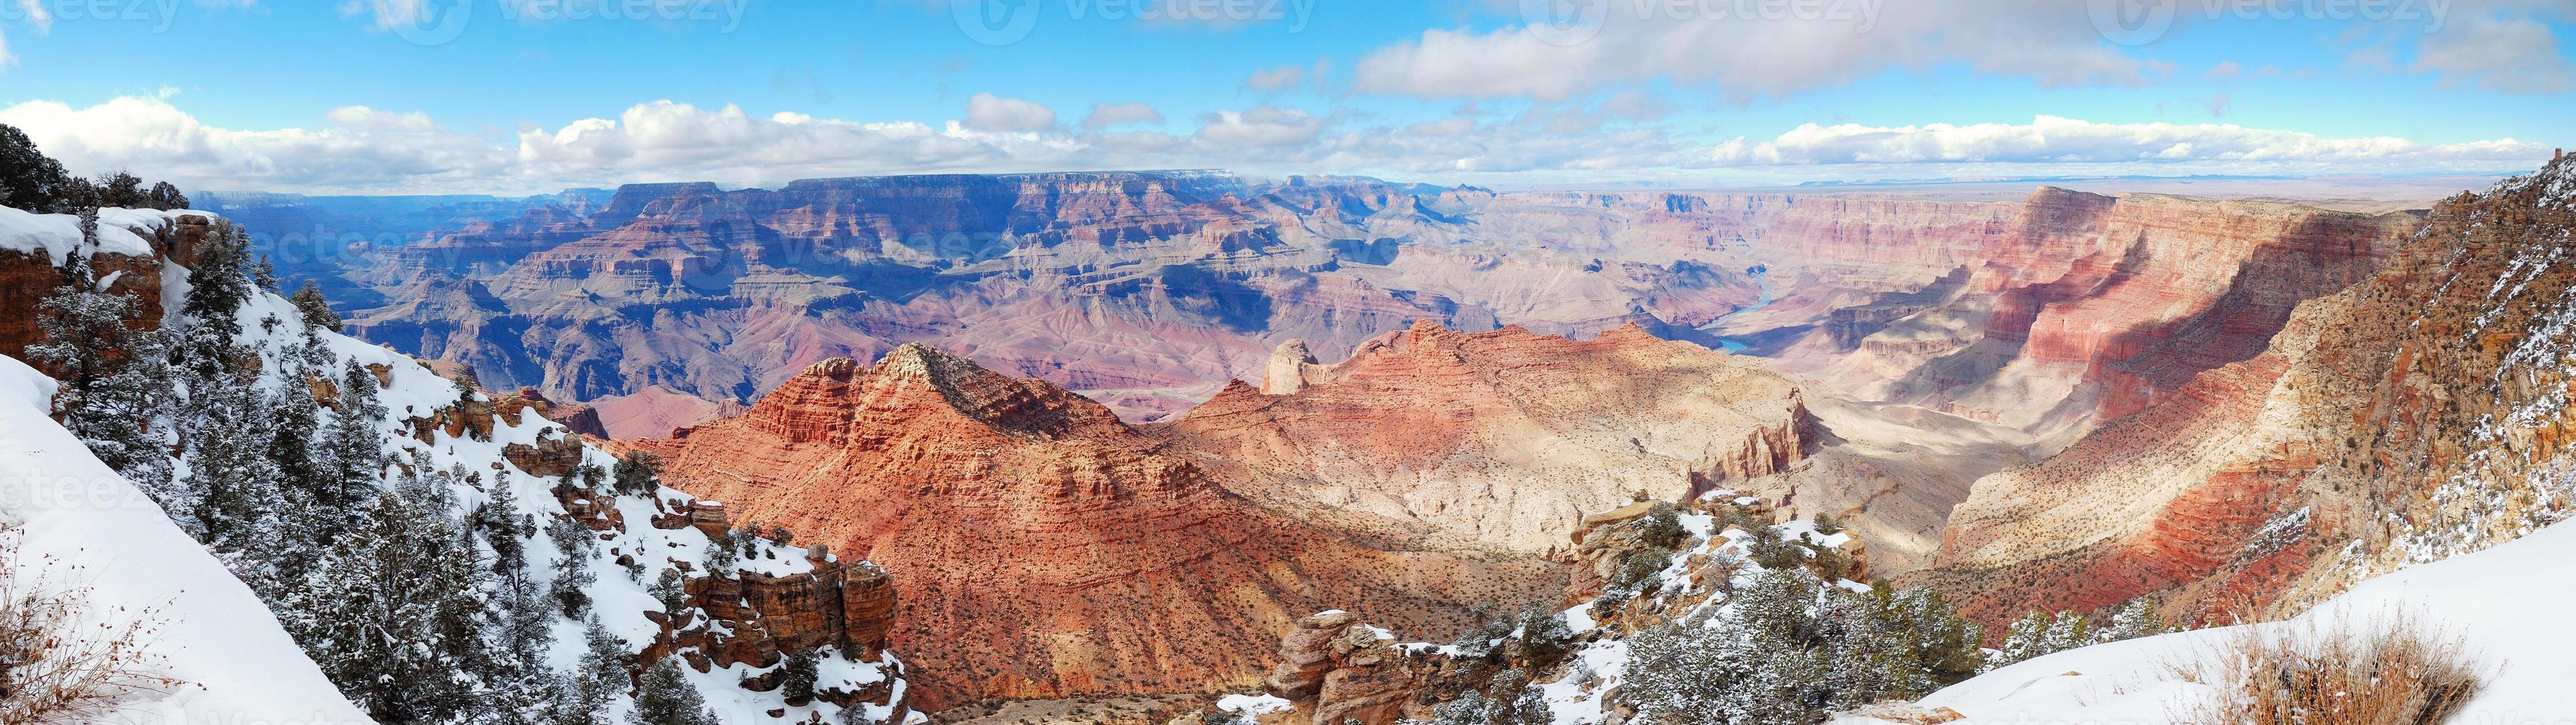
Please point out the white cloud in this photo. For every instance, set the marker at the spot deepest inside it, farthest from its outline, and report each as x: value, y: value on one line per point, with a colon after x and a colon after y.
x: 358, y: 147
x: 1105, y: 115
x: 2517, y: 55
x: 2062, y: 141
x: 1751, y: 55
x: 34, y: 12
x: 1276, y: 80
x: 387, y: 14
x: 988, y: 112
x: 369, y: 150
x: 1260, y: 126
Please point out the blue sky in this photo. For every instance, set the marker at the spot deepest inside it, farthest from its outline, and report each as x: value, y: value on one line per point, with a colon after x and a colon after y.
x: 511, y: 96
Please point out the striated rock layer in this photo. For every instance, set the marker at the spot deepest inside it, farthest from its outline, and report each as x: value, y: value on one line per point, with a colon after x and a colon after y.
x: 2418, y: 414
x: 1506, y: 437
x: 1044, y: 548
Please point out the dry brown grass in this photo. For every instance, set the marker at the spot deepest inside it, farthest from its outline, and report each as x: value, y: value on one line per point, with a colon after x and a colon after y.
x: 2388, y: 671
x: 57, y: 664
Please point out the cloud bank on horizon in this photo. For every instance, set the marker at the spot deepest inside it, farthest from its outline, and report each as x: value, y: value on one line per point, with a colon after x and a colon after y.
x: 1500, y: 93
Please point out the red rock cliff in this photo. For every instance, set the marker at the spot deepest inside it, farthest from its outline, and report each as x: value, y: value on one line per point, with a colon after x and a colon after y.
x: 1044, y: 548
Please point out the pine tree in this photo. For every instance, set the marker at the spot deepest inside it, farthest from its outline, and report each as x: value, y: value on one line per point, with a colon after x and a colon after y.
x: 666, y: 698
x: 2038, y: 633
x: 2069, y: 630
x: 597, y: 678
x: 315, y: 310
x: 353, y: 456
x: 506, y: 530
x: 2137, y: 619
x: 1828, y: 524
x: 638, y: 474
x: 264, y: 275
x: 573, y: 577
x: 29, y: 180
x: 720, y: 555
x: 165, y: 197
x: 115, y: 382
x: 1543, y: 637
x: 796, y: 677
x: 2027, y: 638
x: 217, y: 287
x: 233, y: 480
x: 120, y: 189
x: 669, y: 589
x: 1529, y: 708
x: 1467, y: 709
x: 73, y: 195
x: 293, y: 427
x: 403, y: 623
x: 526, y: 683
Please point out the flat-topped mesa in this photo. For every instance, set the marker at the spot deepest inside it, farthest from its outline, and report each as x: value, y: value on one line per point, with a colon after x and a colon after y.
x: 1504, y: 437
x: 1045, y: 549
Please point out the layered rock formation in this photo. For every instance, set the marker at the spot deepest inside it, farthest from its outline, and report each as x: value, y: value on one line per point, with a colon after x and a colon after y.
x: 2079, y: 308
x: 1044, y: 547
x: 1503, y: 437
x: 1109, y: 281
x: 2416, y: 415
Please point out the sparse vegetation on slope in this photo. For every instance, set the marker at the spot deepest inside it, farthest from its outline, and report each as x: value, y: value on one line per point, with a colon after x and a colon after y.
x: 2393, y: 671
x: 61, y: 661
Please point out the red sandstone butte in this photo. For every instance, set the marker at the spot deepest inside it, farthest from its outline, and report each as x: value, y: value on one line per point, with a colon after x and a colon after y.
x: 1042, y: 547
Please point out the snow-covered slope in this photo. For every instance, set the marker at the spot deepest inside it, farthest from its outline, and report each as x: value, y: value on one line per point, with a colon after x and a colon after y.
x: 216, y: 635
x: 2509, y: 604
x: 272, y: 326
x: 241, y: 665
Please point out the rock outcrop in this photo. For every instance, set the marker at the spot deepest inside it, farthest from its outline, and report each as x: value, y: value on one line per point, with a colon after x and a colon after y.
x: 1502, y: 437
x: 1346, y: 670
x: 757, y: 618
x: 30, y: 274
x: 1046, y: 548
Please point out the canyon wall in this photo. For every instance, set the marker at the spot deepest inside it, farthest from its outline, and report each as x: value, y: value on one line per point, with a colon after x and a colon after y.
x: 1504, y: 438
x: 1045, y: 548
x: 2413, y: 416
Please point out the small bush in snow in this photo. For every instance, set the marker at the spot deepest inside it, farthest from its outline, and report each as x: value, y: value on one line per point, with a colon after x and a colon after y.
x: 55, y: 665
x: 2389, y: 672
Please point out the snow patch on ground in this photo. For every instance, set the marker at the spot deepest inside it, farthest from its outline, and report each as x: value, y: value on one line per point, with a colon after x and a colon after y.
x: 2507, y: 603
x: 1253, y: 705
